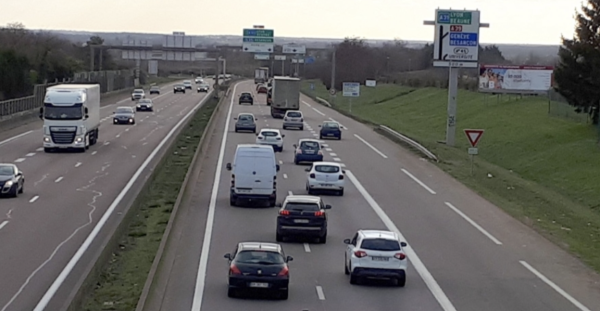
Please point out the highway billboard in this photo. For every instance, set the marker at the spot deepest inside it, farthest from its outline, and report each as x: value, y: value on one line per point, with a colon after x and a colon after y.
x: 515, y: 79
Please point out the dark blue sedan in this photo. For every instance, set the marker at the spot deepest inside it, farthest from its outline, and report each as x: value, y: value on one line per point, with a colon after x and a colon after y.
x: 308, y: 150
x: 330, y: 129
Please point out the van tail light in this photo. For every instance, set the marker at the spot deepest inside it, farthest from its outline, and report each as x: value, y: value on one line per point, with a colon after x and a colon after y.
x: 284, y: 213
x: 312, y: 175
x: 232, y: 180
x: 341, y: 177
x: 284, y: 272
x: 360, y: 254
x: 319, y: 214
x: 234, y: 270
x: 400, y: 256
x: 298, y: 151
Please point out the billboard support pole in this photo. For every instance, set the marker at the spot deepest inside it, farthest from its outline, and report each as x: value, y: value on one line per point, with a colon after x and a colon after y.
x: 452, y: 94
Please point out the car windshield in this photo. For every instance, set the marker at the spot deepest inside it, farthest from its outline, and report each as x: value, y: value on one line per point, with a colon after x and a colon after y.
x: 6, y: 170
x: 331, y: 125
x: 124, y: 110
x: 154, y: 88
x: 145, y: 101
x: 299, y: 206
x: 269, y: 133
x: 327, y: 168
x: 178, y: 85
x: 259, y: 257
x: 309, y: 145
x: 246, y: 117
x: 187, y: 82
x: 74, y: 112
x: 138, y: 91
x: 294, y: 114
x: 380, y: 245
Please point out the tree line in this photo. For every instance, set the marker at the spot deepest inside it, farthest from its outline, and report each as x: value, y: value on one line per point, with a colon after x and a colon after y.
x: 28, y: 58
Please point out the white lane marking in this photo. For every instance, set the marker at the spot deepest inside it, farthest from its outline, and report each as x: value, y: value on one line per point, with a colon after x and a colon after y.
x: 210, y: 219
x: 578, y: 304
x: 59, y: 179
x: 306, y: 104
x: 306, y: 247
x: 43, y: 303
x: 337, y: 159
x: 127, y: 130
x: 342, y: 165
x: 118, y: 135
x: 93, y: 153
x: 39, y: 149
x: 31, y: 154
x: 34, y: 199
x: 320, y: 293
x: 417, y: 264
x: 41, y: 179
x: 333, y: 154
x: 290, y: 193
x: 371, y: 146
x: 284, y: 175
x: 418, y: 181
x: 313, y: 132
x: 106, y: 143
x: 280, y: 162
x: 3, y: 224
x: 328, y: 149
x: 473, y: 223
x: 315, y: 135
x: 319, y: 112
x: 14, y: 137
x: 325, y: 145
x: 78, y: 164
x: 19, y: 160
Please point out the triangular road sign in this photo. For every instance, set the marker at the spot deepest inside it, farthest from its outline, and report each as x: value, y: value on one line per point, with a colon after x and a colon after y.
x: 474, y: 136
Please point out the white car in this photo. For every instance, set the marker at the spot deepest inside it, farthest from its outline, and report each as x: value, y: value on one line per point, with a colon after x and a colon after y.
x: 187, y: 84
x: 376, y: 254
x: 293, y: 118
x: 271, y: 137
x: 328, y: 176
x: 199, y: 80
x: 138, y: 94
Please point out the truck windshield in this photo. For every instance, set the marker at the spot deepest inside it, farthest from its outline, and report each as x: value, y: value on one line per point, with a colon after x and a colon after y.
x: 73, y: 112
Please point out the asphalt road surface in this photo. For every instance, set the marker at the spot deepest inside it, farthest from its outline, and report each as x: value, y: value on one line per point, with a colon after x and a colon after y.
x: 465, y: 254
x: 67, y: 193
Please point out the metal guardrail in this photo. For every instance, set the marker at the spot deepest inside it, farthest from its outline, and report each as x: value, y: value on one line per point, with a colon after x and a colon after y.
x: 323, y: 102
x: 410, y: 142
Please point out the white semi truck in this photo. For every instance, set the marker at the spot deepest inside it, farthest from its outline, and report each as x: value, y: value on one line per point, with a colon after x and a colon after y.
x: 285, y: 96
x: 71, y: 115
x: 261, y: 75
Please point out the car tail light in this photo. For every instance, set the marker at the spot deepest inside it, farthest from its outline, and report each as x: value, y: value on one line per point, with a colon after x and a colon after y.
x: 360, y: 254
x: 285, y: 119
x: 320, y: 214
x: 312, y: 175
x: 320, y: 152
x: 284, y: 213
x: 234, y: 270
x: 298, y: 151
x: 400, y: 256
x: 284, y: 272
x: 341, y: 177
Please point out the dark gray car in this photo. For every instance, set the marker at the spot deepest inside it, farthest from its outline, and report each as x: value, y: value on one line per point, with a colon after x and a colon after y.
x: 124, y: 115
x: 245, y: 122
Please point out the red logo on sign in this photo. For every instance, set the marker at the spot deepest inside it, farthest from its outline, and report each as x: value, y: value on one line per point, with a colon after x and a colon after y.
x: 456, y: 28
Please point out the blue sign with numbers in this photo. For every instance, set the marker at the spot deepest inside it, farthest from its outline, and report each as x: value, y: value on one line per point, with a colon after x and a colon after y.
x: 444, y: 17
x: 463, y: 39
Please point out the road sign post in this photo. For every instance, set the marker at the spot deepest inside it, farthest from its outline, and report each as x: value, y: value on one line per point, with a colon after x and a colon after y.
x: 473, y: 136
x: 456, y: 45
x: 258, y: 40
x: 350, y: 90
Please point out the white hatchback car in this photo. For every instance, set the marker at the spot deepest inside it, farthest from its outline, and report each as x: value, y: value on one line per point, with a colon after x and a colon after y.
x: 271, y: 137
x: 376, y: 254
x: 328, y: 176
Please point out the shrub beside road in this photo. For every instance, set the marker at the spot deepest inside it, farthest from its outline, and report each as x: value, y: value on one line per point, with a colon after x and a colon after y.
x: 544, y: 170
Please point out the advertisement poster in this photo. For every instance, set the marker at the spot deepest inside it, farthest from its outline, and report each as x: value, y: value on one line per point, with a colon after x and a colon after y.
x: 515, y: 79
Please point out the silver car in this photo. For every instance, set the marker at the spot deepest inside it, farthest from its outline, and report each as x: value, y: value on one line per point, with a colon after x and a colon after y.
x: 293, y: 118
x: 245, y: 122
x: 138, y: 94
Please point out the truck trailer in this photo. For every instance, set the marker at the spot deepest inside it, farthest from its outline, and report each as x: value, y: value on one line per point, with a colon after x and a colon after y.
x: 261, y: 75
x: 71, y: 115
x: 285, y: 96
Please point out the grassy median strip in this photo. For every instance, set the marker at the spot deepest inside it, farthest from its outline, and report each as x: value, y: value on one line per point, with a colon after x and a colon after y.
x: 121, y: 283
x: 541, y: 169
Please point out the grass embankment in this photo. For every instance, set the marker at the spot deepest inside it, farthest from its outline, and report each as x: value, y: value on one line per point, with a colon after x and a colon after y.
x: 545, y: 169
x: 120, y: 284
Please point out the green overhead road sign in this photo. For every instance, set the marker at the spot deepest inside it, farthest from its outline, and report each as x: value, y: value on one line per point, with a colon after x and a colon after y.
x: 454, y: 18
x: 264, y: 33
x: 259, y: 39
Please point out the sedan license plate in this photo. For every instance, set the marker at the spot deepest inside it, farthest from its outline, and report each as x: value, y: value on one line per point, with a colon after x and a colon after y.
x: 244, y: 191
x: 259, y: 285
x: 326, y: 185
x: 301, y: 221
x: 380, y: 259
x: 329, y: 134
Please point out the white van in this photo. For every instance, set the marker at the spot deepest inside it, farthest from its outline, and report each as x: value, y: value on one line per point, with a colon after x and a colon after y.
x: 254, y: 174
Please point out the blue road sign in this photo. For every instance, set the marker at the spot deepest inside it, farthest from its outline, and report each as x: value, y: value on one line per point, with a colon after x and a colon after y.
x: 309, y: 60
x: 443, y: 17
x: 463, y: 39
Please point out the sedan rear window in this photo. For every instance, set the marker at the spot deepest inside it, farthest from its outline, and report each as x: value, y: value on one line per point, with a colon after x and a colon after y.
x: 246, y: 117
x: 327, y: 169
x: 331, y: 125
x: 297, y: 206
x: 294, y: 114
x: 309, y: 145
x: 259, y: 257
x: 380, y: 245
x: 138, y: 91
x: 270, y: 134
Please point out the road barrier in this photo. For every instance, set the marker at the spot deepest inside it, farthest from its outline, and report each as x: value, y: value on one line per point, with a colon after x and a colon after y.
x: 410, y: 142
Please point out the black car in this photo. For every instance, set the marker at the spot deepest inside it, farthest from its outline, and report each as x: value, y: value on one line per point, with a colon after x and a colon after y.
x: 330, y: 129
x: 144, y: 105
x: 12, y: 181
x: 269, y: 96
x: 154, y: 90
x: 258, y: 266
x: 179, y: 88
x: 302, y: 216
x: 203, y: 88
x: 124, y: 115
x: 245, y: 122
x: 246, y: 98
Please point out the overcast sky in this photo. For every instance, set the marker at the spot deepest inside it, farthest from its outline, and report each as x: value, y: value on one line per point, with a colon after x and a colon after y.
x: 512, y: 21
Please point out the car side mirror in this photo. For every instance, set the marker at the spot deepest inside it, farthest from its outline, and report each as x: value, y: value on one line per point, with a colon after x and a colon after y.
x: 319, y: 126
x: 347, y: 241
x: 20, y: 174
x: 327, y: 206
x: 228, y: 256
x: 257, y: 134
x: 228, y: 166
x: 295, y: 146
x: 344, y: 171
x: 277, y: 167
x: 256, y: 119
x: 235, y: 118
x: 403, y: 244
x: 278, y: 205
x: 283, y: 135
x: 307, y: 169
x: 87, y: 116
x: 289, y: 258
x: 85, y: 110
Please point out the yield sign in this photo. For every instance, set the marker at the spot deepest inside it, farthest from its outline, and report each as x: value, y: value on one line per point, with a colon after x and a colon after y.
x: 474, y: 136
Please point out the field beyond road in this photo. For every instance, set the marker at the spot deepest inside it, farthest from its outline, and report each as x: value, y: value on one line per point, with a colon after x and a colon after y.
x: 543, y: 170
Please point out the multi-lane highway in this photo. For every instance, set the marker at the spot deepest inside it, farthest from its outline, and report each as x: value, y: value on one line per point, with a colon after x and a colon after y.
x: 465, y: 253
x: 66, y: 194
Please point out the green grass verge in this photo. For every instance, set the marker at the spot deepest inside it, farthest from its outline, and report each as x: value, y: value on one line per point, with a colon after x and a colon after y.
x: 120, y: 284
x: 161, y: 80
x: 544, y: 169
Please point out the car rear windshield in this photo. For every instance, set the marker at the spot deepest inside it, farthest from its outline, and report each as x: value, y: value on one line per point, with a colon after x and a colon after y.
x: 294, y: 114
x: 245, y: 117
x: 327, y: 169
x: 259, y: 257
x: 331, y: 125
x: 124, y: 110
x: 138, y: 91
x: 270, y: 134
x: 145, y: 101
x: 297, y: 206
x: 309, y: 145
x: 380, y: 245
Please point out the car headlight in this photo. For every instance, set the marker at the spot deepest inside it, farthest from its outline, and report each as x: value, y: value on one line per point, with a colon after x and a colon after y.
x: 115, y: 120
x: 8, y: 183
x: 138, y: 105
x: 79, y: 139
x: 47, y: 139
x: 130, y: 120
